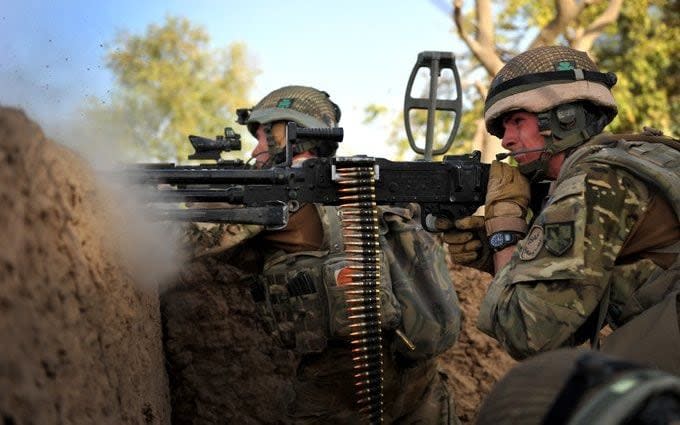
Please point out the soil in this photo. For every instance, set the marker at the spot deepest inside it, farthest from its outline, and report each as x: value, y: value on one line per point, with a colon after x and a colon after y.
x: 86, y: 339
x: 81, y: 343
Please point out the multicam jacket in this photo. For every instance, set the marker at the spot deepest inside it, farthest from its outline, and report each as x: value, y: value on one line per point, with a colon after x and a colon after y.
x: 299, y: 297
x: 416, y: 293
x: 606, y: 242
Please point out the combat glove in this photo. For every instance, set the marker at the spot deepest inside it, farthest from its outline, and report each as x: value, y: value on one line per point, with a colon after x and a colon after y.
x: 467, y: 242
x: 507, y: 199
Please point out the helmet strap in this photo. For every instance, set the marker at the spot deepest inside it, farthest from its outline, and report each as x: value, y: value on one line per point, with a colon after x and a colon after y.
x: 563, y: 127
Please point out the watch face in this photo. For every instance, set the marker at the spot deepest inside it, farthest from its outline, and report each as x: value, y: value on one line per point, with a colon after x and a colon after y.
x: 496, y: 240
x: 502, y: 239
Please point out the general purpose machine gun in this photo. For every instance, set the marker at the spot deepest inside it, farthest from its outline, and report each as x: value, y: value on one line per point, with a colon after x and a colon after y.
x: 453, y: 187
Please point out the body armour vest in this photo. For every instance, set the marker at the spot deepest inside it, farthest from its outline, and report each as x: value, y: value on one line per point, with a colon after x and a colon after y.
x: 651, y: 333
x: 301, y: 298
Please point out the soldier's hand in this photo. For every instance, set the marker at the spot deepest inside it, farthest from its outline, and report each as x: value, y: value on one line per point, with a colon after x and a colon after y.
x: 467, y: 241
x: 507, y: 199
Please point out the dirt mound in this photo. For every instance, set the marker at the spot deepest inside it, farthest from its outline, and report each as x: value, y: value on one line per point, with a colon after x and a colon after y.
x: 80, y: 342
x: 477, y: 361
x: 224, y: 368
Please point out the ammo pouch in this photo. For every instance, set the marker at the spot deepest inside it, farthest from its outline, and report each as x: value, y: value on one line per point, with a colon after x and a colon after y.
x: 303, y: 307
x: 421, y: 282
x: 298, y: 296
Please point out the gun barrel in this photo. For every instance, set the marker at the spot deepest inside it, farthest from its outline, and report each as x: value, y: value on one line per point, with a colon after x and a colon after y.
x: 273, y: 216
x: 176, y: 175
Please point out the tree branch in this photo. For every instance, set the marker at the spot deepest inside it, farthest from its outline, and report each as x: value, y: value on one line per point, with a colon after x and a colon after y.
x: 483, y: 47
x: 609, y: 15
x: 565, y: 12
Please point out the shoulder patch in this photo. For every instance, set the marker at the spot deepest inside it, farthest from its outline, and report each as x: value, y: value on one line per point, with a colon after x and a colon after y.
x: 559, y: 237
x: 532, y: 244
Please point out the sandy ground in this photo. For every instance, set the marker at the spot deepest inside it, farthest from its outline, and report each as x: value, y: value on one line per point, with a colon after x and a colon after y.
x: 81, y: 343
x: 84, y: 342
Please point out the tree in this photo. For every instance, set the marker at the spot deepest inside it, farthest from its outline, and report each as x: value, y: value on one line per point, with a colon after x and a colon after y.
x: 170, y: 84
x: 523, y: 24
x: 643, y: 52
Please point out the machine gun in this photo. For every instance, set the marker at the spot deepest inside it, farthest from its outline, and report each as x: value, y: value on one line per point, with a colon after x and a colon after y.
x: 453, y: 187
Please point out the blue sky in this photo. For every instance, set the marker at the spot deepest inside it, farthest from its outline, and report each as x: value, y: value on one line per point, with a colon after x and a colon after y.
x: 360, y: 51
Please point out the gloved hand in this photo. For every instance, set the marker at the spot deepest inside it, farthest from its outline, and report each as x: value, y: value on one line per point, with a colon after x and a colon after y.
x: 467, y: 241
x: 507, y: 199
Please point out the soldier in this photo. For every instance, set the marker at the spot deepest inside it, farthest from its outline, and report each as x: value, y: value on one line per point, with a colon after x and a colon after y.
x: 603, y: 248
x: 296, y: 286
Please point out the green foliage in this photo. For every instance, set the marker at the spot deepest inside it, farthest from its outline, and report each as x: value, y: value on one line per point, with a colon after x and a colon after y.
x: 643, y: 52
x: 171, y: 83
x: 641, y: 47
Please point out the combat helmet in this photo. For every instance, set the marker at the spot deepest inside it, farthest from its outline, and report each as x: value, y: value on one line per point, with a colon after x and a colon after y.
x: 563, y: 86
x: 306, y: 106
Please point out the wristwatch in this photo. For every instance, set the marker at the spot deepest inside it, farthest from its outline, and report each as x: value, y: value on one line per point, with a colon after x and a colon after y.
x: 500, y: 240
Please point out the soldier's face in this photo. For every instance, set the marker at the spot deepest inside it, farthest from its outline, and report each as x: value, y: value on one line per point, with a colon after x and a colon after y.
x: 261, y: 151
x: 521, y: 134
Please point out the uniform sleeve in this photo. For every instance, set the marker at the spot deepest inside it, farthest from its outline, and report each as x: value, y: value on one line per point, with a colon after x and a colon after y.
x: 560, y: 271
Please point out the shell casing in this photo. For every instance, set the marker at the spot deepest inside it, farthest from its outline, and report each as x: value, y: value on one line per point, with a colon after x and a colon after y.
x: 359, y: 198
x: 360, y: 212
x: 363, y: 251
x: 362, y: 205
x: 347, y: 179
x: 364, y: 349
x: 366, y: 220
x: 363, y: 259
x: 369, y: 340
x: 368, y: 275
x: 364, y: 324
x: 365, y: 244
x: 367, y: 374
x: 351, y: 234
x: 349, y: 167
x: 371, y: 315
x: 364, y: 332
x: 367, y: 292
x: 363, y: 299
x: 364, y: 231
x: 411, y: 346
x: 373, y: 357
x: 364, y: 267
x: 361, y: 173
x: 365, y: 307
x: 356, y: 190
x: 358, y: 284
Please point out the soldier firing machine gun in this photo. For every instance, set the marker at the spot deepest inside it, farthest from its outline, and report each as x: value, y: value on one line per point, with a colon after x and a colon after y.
x: 453, y: 188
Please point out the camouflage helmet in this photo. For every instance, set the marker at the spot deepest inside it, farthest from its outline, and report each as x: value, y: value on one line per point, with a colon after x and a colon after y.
x: 306, y: 106
x: 543, y: 78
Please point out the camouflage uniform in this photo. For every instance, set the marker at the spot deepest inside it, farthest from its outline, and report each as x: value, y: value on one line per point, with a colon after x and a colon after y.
x: 417, y: 298
x: 577, y: 256
x: 605, y: 245
x: 298, y: 294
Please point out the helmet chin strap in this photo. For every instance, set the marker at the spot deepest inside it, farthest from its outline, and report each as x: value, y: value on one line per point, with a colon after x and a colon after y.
x: 563, y: 128
x: 535, y: 170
